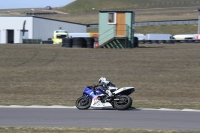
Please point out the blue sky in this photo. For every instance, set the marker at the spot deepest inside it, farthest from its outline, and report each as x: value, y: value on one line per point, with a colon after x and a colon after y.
x: 7, y: 4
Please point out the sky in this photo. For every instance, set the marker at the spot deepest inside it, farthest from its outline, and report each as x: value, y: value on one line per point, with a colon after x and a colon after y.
x: 9, y: 4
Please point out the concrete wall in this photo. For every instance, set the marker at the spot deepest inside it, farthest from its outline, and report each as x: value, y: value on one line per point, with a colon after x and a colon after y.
x: 16, y: 24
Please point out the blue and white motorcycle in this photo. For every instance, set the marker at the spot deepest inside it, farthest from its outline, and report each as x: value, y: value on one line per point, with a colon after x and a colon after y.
x: 96, y: 97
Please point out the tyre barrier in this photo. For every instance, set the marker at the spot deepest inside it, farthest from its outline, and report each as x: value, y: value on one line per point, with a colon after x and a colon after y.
x: 89, y: 42
x: 47, y: 42
x: 66, y: 42
x: 78, y: 42
x: 31, y: 41
x: 167, y: 41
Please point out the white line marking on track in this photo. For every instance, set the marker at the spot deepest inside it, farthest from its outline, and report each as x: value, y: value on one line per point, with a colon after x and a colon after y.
x: 74, y: 107
x: 166, y: 109
x: 37, y: 106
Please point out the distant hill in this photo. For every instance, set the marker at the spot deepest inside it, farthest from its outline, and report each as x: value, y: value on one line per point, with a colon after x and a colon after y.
x: 87, y: 11
x: 86, y: 6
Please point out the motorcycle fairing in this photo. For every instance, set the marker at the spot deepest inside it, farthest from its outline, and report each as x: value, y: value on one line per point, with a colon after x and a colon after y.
x: 125, y: 90
x: 96, y: 103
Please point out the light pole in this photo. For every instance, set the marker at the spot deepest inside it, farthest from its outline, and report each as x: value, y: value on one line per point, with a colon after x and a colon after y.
x: 199, y: 21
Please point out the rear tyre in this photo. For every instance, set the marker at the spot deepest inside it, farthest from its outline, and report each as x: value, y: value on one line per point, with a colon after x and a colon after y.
x: 83, y: 103
x: 124, y: 103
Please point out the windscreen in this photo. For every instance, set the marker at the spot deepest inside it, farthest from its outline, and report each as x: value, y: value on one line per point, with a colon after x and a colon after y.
x: 171, y: 37
x: 61, y: 36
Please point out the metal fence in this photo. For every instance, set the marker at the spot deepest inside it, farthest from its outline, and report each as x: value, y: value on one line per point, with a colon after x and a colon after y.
x: 170, y: 22
x: 167, y: 22
x: 168, y: 41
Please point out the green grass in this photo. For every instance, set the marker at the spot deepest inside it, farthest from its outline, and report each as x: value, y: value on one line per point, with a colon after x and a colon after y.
x: 86, y: 6
x: 81, y: 11
x: 172, y: 29
x: 149, y: 14
x: 82, y: 130
x: 165, y: 76
x: 86, y: 11
x: 169, y: 29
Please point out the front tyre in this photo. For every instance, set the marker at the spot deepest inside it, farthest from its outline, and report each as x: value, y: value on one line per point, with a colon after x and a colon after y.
x: 83, y: 103
x: 124, y: 102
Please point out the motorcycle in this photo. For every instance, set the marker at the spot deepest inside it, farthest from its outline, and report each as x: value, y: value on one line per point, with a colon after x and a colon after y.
x: 96, y: 97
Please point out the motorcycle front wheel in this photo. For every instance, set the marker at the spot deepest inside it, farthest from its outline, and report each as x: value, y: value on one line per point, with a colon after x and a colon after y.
x: 124, y: 103
x: 83, y: 102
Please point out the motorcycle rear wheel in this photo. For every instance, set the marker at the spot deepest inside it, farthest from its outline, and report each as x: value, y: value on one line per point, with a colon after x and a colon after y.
x: 83, y: 103
x: 124, y: 103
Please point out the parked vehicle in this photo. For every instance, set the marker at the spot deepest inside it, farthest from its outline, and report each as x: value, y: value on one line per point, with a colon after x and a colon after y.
x: 140, y: 36
x: 159, y: 37
x: 197, y: 37
x: 185, y: 36
x: 96, y: 97
x: 58, y: 35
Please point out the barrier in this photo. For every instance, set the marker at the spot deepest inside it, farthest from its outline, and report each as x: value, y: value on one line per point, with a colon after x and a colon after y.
x: 46, y: 42
x: 31, y: 41
x: 167, y: 41
x: 164, y: 22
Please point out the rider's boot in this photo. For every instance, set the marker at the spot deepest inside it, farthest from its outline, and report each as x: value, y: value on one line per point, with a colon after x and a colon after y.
x: 110, y: 96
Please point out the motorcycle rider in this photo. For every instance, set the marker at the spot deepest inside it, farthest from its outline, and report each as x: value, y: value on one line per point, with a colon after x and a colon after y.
x: 107, y: 85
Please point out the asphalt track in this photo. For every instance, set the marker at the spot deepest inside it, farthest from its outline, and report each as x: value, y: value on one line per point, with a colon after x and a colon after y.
x: 72, y: 117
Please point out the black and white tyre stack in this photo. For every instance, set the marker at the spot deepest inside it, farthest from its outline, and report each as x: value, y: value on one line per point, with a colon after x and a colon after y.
x: 89, y: 42
x: 67, y: 42
x: 78, y: 42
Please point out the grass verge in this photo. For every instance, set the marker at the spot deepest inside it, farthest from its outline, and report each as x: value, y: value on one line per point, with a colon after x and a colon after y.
x: 80, y: 6
x: 165, y: 76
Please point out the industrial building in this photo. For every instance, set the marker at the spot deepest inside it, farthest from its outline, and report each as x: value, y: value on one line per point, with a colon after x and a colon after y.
x: 13, y: 29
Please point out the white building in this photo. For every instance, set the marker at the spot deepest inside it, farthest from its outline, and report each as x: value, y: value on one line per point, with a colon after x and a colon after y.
x: 15, y: 28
